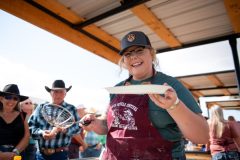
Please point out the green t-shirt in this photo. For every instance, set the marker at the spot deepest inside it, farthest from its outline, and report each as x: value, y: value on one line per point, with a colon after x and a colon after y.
x: 102, y: 139
x: 160, y: 118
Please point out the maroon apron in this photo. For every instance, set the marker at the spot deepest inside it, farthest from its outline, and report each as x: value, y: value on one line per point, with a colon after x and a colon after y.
x: 131, y: 135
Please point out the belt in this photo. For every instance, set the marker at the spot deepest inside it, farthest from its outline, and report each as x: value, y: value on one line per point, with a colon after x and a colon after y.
x: 92, y: 146
x: 50, y: 151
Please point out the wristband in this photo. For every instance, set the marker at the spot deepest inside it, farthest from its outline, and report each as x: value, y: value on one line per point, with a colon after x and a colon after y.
x: 16, y: 151
x: 174, y: 105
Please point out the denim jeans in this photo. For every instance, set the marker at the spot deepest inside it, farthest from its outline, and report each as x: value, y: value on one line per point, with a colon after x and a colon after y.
x: 30, y: 152
x: 232, y: 155
x: 91, y: 152
x: 180, y: 158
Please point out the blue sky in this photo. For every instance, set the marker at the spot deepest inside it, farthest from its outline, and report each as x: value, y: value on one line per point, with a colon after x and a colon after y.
x: 32, y: 58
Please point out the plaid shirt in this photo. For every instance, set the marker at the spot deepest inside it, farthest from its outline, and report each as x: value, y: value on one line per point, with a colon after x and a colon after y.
x: 91, y: 138
x: 37, y: 124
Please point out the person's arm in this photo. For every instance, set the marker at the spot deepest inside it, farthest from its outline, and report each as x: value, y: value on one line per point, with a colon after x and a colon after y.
x: 6, y: 155
x: 208, y: 144
x: 33, y: 123
x: 208, y: 147
x: 80, y: 140
x: 98, y: 125
x: 237, y: 142
x: 235, y: 130
x: 193, y: 126
x: 25, y: 140
x: 72, y: 130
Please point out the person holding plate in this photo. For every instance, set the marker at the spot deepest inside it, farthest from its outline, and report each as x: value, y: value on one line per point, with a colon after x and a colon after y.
x: 148, y: 126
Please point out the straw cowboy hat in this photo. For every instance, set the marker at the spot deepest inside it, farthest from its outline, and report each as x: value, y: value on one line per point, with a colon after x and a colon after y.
x: 12, y: 89
x: 58, y: 85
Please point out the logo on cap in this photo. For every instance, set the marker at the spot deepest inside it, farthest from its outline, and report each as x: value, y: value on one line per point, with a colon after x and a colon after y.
x: 131, y: 37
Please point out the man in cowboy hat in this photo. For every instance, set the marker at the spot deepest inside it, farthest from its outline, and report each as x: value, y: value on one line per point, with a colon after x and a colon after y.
x: 53, y: 142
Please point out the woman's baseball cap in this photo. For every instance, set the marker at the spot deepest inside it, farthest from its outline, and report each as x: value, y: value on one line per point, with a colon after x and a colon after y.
x: 134, y: 38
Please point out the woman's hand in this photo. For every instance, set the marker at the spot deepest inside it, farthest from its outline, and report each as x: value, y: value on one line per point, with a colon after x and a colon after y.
x: 192, y: 125
x: 7, y: 155
x: 90, y: 122
x: 167, y: 100
x: 87, y: 121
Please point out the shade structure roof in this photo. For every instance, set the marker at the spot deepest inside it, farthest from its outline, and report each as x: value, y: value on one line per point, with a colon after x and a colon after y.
x: 98, y: 26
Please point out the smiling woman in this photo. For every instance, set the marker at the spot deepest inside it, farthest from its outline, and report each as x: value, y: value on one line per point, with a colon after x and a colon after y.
x: 12, y: 121
x: 158, y: 121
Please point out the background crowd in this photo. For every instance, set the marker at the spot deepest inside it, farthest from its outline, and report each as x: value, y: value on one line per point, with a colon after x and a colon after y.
x: 23, y: 131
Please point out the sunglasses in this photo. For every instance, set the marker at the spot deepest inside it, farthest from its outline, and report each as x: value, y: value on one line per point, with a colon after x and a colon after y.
x: 28, y: 103
x: 10, y: 97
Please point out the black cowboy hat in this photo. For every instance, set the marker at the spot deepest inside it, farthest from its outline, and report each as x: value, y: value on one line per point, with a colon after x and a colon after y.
x: 12, y: 89
x: 58, y: 85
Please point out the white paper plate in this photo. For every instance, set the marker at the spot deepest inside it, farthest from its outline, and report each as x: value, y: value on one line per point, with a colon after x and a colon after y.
x: 138, y: 89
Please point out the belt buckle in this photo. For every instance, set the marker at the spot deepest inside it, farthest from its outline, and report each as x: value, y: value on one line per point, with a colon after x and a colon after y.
x: 48, y: 151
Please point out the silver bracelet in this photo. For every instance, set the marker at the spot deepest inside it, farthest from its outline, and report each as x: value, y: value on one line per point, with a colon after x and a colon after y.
x: 174, y: 105
x: 16, y: 151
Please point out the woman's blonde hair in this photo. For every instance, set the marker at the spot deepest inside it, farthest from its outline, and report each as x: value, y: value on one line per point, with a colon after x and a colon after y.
x: 217, y: 121
x: 153, y: 54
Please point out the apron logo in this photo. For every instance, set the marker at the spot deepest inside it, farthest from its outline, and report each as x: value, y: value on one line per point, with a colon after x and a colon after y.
x: 123, y: 119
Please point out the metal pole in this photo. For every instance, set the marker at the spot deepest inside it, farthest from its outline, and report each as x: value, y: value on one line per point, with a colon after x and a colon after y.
x: 233, y: 44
